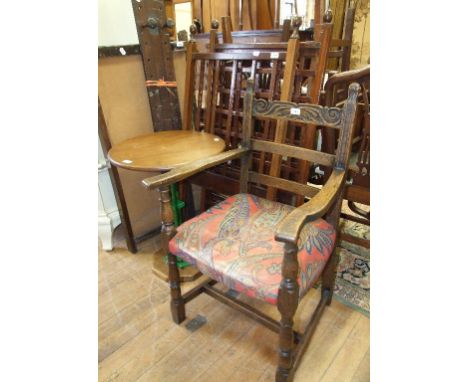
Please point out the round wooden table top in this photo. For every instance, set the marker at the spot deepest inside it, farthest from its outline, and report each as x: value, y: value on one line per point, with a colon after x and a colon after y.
x: 164, y: 150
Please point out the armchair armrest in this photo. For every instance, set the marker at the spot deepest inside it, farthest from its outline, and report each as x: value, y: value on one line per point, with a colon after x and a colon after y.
x: 290, y: 227
x: 186, y: 170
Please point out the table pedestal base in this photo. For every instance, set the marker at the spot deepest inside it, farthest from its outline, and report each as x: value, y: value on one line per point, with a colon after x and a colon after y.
x: 161, y: 269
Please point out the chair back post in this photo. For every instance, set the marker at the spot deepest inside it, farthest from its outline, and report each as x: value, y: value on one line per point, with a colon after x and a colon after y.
x: 286, y: 30
x: 287, y: 88
x: 347, y: 38
x: 226, y: 29
x: 347, y: 122
x: 322, y: 35
x: 213, y: 35
x: 189, y: 84
x: 344, y: 147
x: 247, y: 135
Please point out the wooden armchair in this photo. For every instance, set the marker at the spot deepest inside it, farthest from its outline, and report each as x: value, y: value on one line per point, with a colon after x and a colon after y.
x: 264, y: 249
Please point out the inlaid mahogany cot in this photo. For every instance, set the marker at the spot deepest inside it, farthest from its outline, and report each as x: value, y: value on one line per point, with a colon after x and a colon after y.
x: 259, y: 247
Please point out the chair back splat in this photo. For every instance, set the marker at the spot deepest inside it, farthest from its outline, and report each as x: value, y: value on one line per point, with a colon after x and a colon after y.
x: 336, y: 118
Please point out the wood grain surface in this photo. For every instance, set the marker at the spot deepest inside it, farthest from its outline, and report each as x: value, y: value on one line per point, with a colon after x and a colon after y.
x: 164, y: 150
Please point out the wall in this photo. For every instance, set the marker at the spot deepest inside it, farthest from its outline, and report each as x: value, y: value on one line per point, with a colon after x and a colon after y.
x: 116, y: 25
x: 125, y: 105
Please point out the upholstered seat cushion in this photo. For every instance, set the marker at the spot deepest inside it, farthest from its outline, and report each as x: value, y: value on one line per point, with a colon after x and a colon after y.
x: 233, y: 243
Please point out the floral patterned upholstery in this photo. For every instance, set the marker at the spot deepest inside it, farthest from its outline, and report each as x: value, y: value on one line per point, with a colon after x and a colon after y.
x: 233, y: 243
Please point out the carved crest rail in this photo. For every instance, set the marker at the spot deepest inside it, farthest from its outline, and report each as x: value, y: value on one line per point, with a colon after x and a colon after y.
x: 300, y: 112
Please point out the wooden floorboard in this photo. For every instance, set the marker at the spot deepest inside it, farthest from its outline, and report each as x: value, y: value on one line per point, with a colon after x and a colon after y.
x: 139, y: 342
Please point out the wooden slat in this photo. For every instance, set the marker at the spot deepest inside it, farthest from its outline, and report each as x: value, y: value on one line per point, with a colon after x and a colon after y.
x: 244, y: 308
x: 235, y: 65
x: 199, y: 289
x: 339, y: 43
x: 267, y: 46
x: 335, y: 54
x: 214, y: 97
x: 199, y: 99
x: 189, y: 86
x: 294, y: 151
x: 238, y: 56
x: 286, y: 93
x: 322, y: 33
x: 283, y: 184
x: 268, y: 124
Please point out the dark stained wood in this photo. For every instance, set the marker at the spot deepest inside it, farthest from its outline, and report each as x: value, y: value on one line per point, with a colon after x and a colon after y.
x: 153, y: 26
x: 299, y: 112
x: 119, y: 50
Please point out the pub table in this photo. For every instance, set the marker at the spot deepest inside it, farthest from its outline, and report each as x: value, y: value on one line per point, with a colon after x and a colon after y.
x: 160, y: 152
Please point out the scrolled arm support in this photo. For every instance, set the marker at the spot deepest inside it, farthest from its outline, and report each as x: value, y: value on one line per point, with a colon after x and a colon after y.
x: 290, y: 227
x: 186, y: 170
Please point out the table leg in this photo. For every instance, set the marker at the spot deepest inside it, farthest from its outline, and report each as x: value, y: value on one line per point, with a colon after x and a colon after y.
x: 168, y: 231
x: 170, y: 272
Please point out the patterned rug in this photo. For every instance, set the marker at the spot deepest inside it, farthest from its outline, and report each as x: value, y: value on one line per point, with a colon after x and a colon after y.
x: 352, y: 286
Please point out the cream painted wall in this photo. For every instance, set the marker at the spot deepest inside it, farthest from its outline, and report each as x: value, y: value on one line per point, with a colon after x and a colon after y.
x: 116, y: 23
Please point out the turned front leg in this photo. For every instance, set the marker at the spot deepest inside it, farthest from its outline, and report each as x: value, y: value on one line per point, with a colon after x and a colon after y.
x: 288, y: 299
x: 168, y: 231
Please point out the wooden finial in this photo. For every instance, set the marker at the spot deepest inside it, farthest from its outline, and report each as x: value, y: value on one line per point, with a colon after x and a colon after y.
x: 198, y: 25
x: 193, y: 31
x: 328, y: 16
x: 296, y: 22
x: 214, y: 24
x: 353, y: 91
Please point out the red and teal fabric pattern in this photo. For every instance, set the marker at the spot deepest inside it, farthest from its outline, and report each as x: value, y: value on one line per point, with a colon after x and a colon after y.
x: 233, y: 243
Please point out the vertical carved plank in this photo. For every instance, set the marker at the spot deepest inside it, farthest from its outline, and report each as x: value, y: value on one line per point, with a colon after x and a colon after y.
x: 153, y: 28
